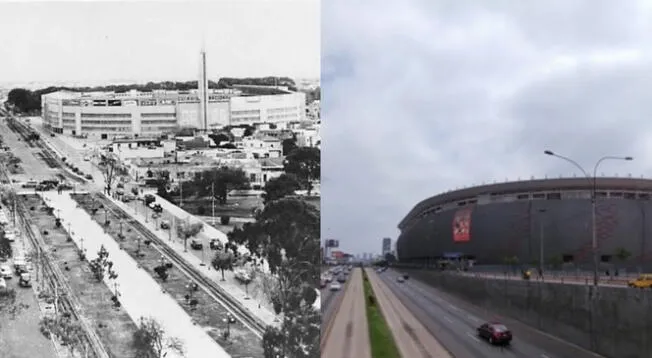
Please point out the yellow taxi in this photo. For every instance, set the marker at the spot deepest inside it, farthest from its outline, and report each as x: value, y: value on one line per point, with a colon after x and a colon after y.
x: 643, y: 281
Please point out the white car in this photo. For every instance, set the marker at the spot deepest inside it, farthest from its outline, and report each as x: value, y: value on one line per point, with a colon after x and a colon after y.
x: 400, y: 279
x: 5, y: 271
x: 3, y: 283
x: 335, y: 286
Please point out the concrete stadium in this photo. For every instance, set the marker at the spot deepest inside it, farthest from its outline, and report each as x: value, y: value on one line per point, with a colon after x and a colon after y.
x: 522, y: 219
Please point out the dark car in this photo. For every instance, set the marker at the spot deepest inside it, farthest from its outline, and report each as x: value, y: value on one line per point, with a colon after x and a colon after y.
x: 406, y: 276
x: 196, y: 245
x: 341, y: 279
x: 495, y: 333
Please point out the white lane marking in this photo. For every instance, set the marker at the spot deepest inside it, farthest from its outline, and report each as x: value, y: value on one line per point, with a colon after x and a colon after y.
x: 476, y: 319
x: 448, y: 319
x: 544, y: 356
x: 453, y: 307
x: 473, y: 336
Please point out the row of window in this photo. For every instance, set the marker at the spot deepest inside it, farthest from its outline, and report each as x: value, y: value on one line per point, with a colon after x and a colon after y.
x: 282, y: 110
x: 105, y: 122
x: 106, y: 115
x: 159, y: 121
x: 245, y: 113
x: 158, y: 115
x: 245, y: 119
x: 282, y: 116
x: 157, y: 129
x: 106, y: 129
x: 68, y: 115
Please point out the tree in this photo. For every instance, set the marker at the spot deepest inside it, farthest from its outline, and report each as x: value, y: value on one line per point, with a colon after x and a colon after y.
x: 218, y: 138
x: 101, y: 266
x: 305, y: 163
x: 5, y: 246
x: 69, y: 332
x: 289, y: 145
x: 9, y: 306
x: 187, y: 230
x: 223, y: 260
x: 219, y: 181
x: 151, y: 341
x: 109, y: 166
x: 277, y: 188
x: 287, y: 235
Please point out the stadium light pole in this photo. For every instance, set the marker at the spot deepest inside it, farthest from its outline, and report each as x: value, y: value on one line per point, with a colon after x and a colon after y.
x: 594, y: 186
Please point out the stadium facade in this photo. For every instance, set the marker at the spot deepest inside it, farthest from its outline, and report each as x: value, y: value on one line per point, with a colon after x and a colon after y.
x: 107, y: 114
x: 491, y: 223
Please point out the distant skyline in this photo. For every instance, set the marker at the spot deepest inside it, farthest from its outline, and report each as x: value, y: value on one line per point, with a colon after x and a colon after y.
x: 100, y: 42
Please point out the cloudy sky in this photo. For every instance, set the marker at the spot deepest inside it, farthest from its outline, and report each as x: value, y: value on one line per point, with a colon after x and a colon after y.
x: 148, y: 40
x: 425, y: 96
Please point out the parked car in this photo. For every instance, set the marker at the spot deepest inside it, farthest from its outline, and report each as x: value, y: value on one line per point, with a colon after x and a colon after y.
x: 25, y: 280
x: 165, y: 224
x: 5, y: 271
x: 3, y: 283
x: 215, y: 244
x: 196, y: 244
x: 495, y: 333
x: 88, y: 177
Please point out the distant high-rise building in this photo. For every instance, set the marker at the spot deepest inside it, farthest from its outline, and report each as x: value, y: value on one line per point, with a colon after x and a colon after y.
x: 387, y: 246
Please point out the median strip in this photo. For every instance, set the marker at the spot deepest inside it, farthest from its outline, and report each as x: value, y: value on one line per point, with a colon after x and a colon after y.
x: 380, y: 336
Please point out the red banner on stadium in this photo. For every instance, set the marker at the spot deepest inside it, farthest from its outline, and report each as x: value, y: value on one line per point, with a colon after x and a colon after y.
x: 462, y: 225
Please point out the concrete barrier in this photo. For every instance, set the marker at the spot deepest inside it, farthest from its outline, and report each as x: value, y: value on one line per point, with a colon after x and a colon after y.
x: 616, y: 322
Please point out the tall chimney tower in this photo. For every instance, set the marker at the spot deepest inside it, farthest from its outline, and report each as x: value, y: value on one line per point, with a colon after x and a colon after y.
x: 203, y: 93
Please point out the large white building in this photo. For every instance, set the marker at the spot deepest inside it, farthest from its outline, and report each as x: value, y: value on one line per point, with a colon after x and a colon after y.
x: 107, y: 114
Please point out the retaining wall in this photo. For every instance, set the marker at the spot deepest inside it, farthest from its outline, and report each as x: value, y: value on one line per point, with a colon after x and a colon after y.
x: 616, y: 323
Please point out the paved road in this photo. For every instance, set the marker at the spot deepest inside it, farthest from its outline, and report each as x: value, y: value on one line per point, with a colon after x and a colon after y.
x: 454, y: 322
x: 330, y: 300
x: 22, y: 337
x: 412, y: 338
x: 349, y: 334
x: 34, y: 168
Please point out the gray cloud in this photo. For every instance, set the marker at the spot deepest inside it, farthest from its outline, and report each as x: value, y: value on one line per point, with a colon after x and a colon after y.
x: 422, y: 96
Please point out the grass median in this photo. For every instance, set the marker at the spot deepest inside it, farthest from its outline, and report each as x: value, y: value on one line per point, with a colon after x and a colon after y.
x: 380, y: 336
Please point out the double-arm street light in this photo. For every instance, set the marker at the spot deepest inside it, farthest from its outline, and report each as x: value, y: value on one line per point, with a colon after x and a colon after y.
x: 593, y: 181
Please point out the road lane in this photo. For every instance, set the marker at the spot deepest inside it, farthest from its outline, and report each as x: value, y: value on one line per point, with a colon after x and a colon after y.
x: 461, y: 319
x: 348, y: 337
x: 412, y: 338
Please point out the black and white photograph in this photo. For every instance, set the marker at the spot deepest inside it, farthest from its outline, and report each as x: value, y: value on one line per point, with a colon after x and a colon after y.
x: 160, y: 179
x: 486, y: 179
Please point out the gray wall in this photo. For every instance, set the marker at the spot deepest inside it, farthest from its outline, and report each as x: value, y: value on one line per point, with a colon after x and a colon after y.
x: 617, y: 324
x: 514, y: 229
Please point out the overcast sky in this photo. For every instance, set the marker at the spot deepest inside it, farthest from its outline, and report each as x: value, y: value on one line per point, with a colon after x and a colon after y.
x: 103, y: 41
x: 424, y: 96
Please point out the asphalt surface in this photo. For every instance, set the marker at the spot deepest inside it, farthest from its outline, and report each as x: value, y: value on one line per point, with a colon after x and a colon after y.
x: 412, y: 338
x: 329, y: 300
x: 454, y: 323
x: 348, y: 336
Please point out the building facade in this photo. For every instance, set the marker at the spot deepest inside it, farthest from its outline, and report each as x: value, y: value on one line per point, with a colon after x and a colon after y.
x: 387, y: 246
x: 107, y: 115
x: 530, y: 220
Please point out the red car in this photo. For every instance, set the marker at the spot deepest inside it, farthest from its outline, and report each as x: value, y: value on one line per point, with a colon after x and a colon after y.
x: 495, y: 333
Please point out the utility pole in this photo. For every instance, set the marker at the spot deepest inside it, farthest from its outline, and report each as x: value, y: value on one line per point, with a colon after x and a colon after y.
x: 213, y: 201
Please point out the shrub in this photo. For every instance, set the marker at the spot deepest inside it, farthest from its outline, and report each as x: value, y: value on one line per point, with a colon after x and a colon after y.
x: 201, y: 210
x: 224, y: 220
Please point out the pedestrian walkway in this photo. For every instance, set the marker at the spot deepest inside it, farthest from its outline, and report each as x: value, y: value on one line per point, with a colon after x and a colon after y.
x: 254, y: 300
x: 140, y: 294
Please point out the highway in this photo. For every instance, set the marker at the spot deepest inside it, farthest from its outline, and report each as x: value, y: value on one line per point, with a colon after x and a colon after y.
x: 330, y: 300
x: 412, y: 338
x: 348, y: 334
x: 454, y: 323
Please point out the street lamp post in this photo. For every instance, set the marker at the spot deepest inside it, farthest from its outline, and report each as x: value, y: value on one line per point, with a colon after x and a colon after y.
x: 594, y: 186
x: 541, y: 245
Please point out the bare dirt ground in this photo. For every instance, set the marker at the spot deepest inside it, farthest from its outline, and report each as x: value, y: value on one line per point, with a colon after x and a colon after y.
x: 113, y: 325
x: 208, y: 314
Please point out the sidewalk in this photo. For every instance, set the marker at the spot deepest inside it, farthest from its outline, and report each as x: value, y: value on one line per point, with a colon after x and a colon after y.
x: 140, y: 294
x: 256, y: 302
